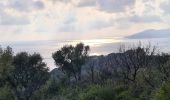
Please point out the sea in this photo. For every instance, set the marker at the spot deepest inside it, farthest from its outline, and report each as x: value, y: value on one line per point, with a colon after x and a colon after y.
x: 97, y: 46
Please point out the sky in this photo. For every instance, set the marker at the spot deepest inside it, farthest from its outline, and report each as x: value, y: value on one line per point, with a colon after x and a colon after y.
x: 29, y: 20
x: 44, y: 26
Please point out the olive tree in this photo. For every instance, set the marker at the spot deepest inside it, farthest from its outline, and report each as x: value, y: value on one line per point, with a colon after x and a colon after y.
x: 71, y: 58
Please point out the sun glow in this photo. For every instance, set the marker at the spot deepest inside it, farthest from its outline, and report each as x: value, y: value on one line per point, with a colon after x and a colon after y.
x: 95, y: 42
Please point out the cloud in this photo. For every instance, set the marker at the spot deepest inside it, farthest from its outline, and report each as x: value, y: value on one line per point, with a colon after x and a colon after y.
x: 10, y: 11
x: 115, y: 5
x: 70, y: 18
x: 110, y: 6
x: 68, y: 23
x: 87, y: 3
x: 38, y: 5
x: 61, y: 19
x: 63, y: 1
x: 67, y: 28
x: 100, y: 24
x: 165, y: 6
x: 10, y: 20
x: 25, y: 5
x: 145, y: 19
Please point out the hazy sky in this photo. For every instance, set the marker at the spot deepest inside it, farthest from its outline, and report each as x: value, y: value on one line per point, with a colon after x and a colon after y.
x: 79, y: 19
x: 91, y: 21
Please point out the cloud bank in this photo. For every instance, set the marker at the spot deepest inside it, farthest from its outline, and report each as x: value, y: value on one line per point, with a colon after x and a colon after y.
x: 80, y: 19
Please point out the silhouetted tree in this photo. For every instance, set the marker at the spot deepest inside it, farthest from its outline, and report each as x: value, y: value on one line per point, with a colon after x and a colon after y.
x: 6, y: 72
x: 70, y: 59
x: 29, y: 75
x: 161, y: 61
x: 134, y: 60
x: 6, y: 57
x: 90, y: 67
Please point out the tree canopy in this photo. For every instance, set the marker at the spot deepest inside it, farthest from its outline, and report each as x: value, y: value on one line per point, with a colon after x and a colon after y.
x: 71, y: 58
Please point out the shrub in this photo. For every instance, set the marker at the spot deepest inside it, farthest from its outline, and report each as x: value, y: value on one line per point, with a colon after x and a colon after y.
x: 6, y: 93
x: 98, y: 93
x: 47, y: 91
x: 164, y: 92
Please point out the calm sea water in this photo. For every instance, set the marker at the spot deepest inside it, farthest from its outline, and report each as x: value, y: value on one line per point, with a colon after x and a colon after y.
x: 98, y: 46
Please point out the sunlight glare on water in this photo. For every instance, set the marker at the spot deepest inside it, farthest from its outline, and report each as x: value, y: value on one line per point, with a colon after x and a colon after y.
x: 94, y: 42
x: 97, y: 46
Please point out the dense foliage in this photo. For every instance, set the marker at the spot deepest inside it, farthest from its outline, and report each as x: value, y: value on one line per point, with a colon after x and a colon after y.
x: 21, y: 75
x: 137, y: 73
x: 70, y: 59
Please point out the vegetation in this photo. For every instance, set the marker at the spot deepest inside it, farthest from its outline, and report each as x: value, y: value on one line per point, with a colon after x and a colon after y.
x: 21, y: 75
x: 70, y: 59
x: 137, y: 73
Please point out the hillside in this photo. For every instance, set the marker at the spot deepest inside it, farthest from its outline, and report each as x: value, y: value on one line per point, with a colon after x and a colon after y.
x: 163, y: 33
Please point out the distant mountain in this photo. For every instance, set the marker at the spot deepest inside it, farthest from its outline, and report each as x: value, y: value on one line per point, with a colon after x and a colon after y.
x: 151, y: 34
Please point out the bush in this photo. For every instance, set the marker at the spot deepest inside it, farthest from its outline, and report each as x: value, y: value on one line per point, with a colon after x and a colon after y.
x: 70, y: 93
x: 47, y: 91
x: 98, y: 93
x: 164, y: 92
x: 6, y: 93
x: 122, y: 93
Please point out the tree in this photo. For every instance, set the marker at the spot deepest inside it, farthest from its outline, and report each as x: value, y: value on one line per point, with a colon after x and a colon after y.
x: 162, y: 63
x: 29, y: 75
x: 91, y: 70
x: 63, y: 59
x: 6, y: 72
x: 6, y: 93
x: 70, y: 59
x: 134, y: 60
x: 79, y: 57
x: 6, y: 57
